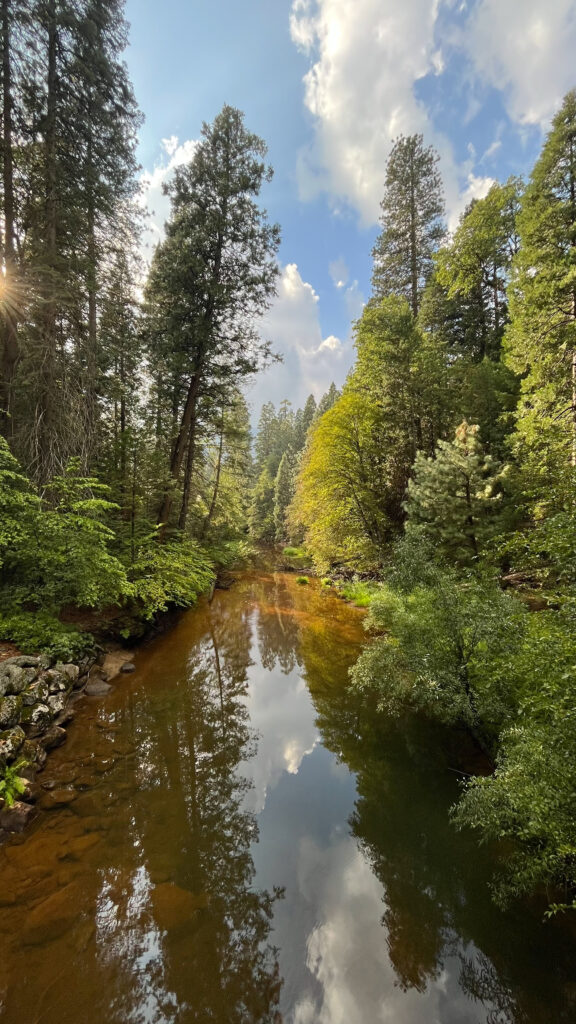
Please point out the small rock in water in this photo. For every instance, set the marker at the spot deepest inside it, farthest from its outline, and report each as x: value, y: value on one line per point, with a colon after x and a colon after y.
x: 15, y: 818
x: 128, y: 666
x: 97, y: 688
x: 54, y: 737
x: 58, y: 798
x: 53, y: 917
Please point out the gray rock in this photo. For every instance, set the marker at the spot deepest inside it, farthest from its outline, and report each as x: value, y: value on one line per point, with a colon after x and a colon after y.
x: 10, y: 710
x: 128, y: 667
x: 33, y: 753
x: 37, y: 693
x: 57, y: 703
x: 71, y: 671
x: 56, y: 681
x: 54, y: 737
x: 14, y: 678
x: 15, y: 819
x: 23, y: 661
x: 11, y: 743
x: 97, y: 688
x: 37, y: 719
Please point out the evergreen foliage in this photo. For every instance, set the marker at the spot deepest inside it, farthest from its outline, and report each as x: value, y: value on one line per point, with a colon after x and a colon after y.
x: 412, y: 221
x: 456, y: 497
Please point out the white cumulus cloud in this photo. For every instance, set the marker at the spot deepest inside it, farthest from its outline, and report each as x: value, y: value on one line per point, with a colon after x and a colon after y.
x: 526, y: 50
x: 152, y: 199
x: 366, y: 57
x: 311, y: 361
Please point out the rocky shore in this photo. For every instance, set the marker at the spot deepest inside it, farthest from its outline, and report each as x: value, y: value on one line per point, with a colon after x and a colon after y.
x: 36, y: 705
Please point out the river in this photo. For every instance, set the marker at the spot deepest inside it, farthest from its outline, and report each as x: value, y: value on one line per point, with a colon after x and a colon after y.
x: 231, y: 836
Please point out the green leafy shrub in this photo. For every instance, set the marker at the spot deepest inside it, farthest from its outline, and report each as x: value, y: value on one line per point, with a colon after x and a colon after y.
x: 231, y: 554
x: 39, y: 631
x: 57, y: 552
x: 303, y: 580
x: 529, y: 799
x: 19, y: 510
x: 165, y: 574
x: 450, y: 650
x: 11, y: 784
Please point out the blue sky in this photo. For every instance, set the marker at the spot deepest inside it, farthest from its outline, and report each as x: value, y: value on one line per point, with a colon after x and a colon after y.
x: 328, y: 84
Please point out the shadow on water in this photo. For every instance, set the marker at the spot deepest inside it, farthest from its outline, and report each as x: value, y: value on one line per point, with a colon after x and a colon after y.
x: 233, y: 837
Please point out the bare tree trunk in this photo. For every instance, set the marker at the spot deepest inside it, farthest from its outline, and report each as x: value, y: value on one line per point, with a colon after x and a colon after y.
x: 413, y: 242
x: 8, y: 327
x: 208, y: 518
x: 187, y: 489
x: 45, y: 427
x: 91, y: 394
x: 185, y: 434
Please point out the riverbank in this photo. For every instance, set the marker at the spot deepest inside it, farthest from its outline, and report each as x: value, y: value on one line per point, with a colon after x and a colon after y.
x: 38, y: 695
x: 37, y: 701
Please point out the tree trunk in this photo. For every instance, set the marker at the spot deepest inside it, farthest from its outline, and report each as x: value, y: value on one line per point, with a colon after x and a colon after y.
x: 183, y: 517
x: 9, y: 329
x: 186, y: 432
x: 91, y: 394
x: 45, y: 427
x: 413, y: 242
x: 208, y: 518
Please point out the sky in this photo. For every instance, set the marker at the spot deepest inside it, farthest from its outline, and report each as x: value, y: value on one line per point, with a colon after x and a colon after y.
x: 328, y: 84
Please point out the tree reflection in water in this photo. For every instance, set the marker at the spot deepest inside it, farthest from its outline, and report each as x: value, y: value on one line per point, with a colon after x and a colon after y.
x: 154, y: 855
x: 220, y: 966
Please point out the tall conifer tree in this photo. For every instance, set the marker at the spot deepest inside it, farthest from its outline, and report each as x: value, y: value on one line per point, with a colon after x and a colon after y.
x: 412, y: 221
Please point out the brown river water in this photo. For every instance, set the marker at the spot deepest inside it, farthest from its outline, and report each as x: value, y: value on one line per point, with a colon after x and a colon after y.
x: 233, y: 837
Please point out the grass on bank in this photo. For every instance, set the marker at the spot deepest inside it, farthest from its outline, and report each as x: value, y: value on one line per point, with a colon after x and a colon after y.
x: 359, y: 592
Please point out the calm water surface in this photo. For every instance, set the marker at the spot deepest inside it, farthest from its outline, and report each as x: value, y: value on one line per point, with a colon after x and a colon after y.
x: 233, y: 837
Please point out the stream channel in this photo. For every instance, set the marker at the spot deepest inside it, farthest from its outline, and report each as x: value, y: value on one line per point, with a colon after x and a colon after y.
x: 234, y: 837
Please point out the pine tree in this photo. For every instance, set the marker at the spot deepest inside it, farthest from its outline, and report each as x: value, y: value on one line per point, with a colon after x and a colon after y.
x: 327, y: 401
x: 412, y: 221
x: 212, y: 277
x: 456, y: 497
x: 474, y: 268
x: 541, y: 340
x: 283, y: 493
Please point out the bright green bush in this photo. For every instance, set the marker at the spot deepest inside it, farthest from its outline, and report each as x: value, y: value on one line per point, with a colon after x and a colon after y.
x: 529, y: 799
x: 166, y: 574
x: 303, y: 580
x: 231, y: 553
x: 38, y: 631
x: 11, y: 784
x: 19, y: 510
x: 359, y: 592
x: 450, y: 647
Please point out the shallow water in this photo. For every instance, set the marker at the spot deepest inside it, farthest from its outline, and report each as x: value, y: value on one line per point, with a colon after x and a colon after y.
x: 244, y: 841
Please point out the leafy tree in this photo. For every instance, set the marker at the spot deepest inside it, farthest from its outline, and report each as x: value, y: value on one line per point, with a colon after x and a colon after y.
x: 412, y: 221
x: 211, y: 278
x: 474, y: 267
x: 456, y: 498
x: 541, y: 340
x: 338, y: 501
x: 529, y: 799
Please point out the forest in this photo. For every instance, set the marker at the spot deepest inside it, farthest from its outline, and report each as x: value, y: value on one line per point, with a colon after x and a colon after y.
x: 437, y: 486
